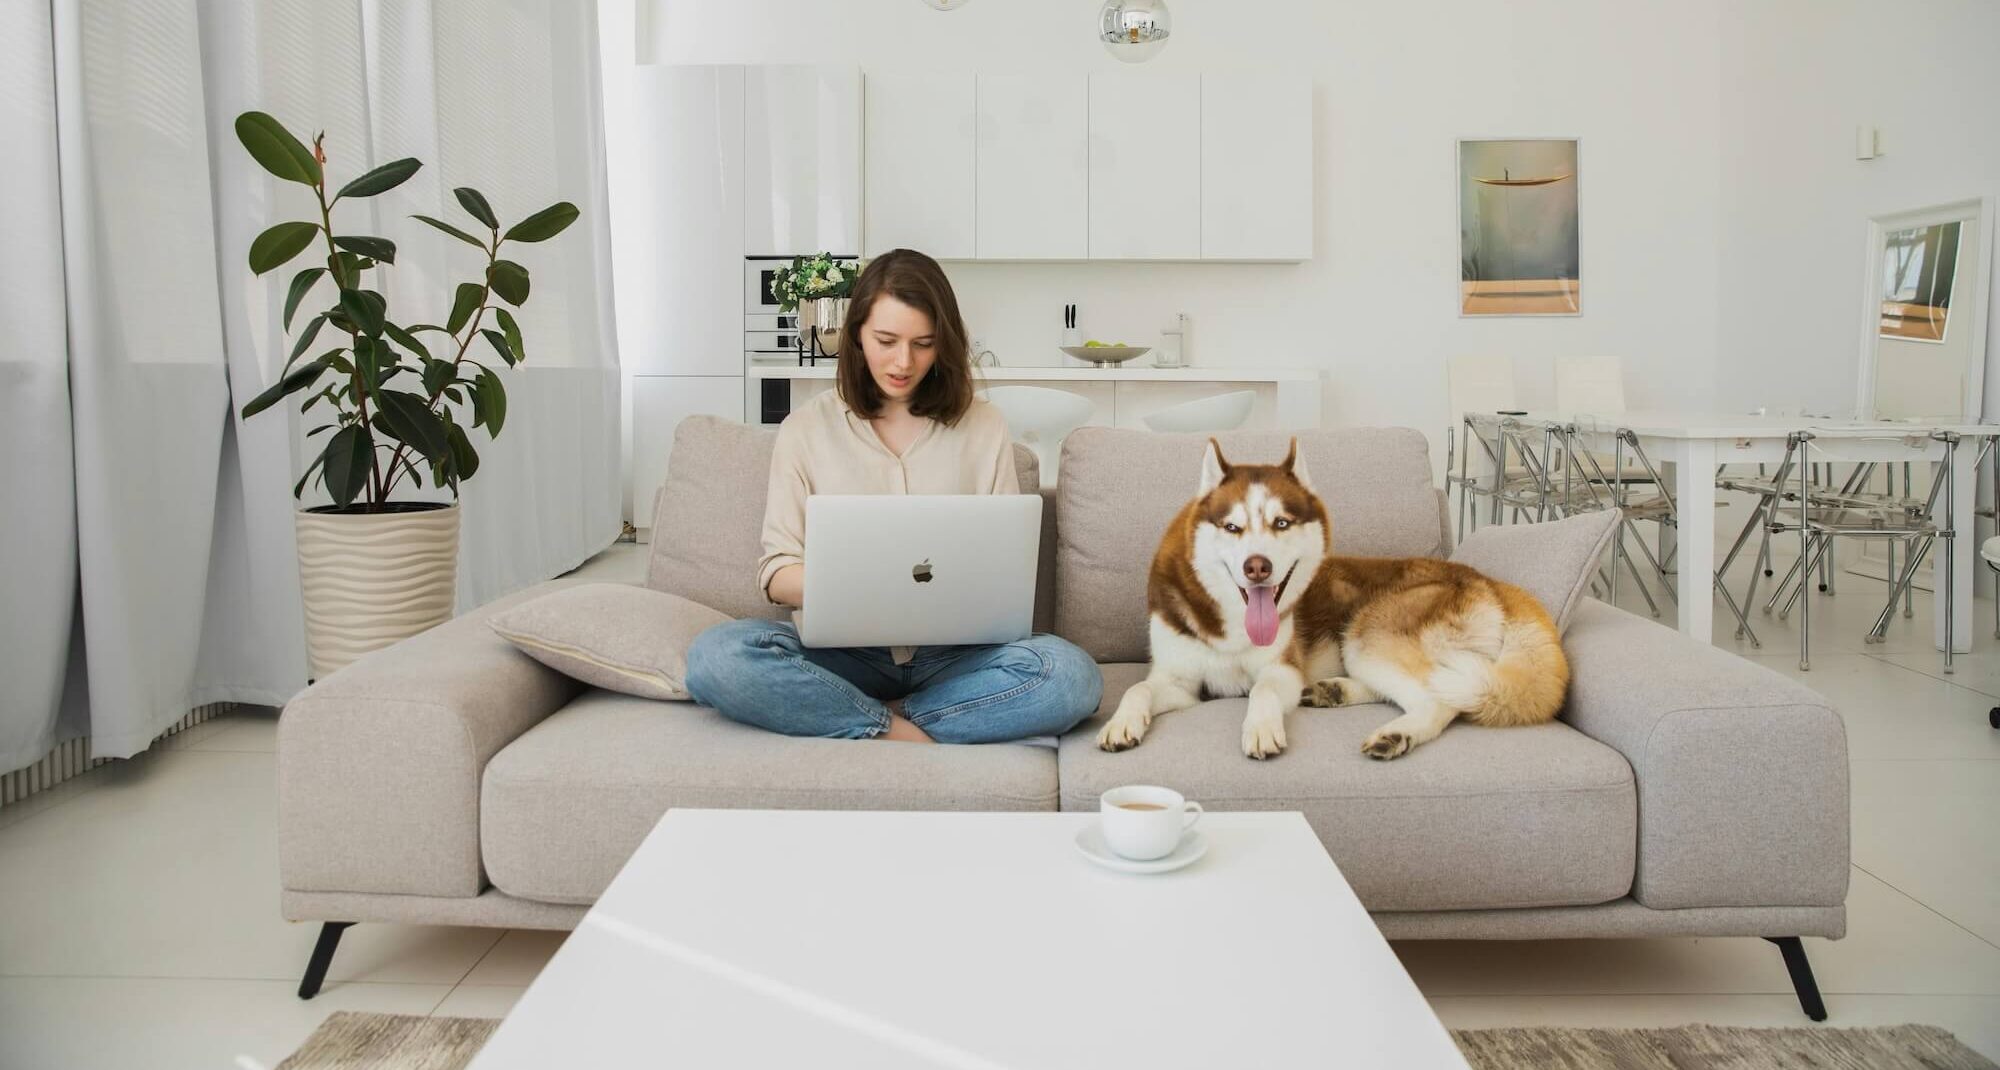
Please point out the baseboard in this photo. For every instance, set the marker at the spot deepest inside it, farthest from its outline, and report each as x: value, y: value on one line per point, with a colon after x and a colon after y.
x: 73, y: 759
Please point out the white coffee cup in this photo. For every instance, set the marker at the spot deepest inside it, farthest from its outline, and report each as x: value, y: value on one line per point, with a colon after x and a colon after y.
x: 1142, y: 822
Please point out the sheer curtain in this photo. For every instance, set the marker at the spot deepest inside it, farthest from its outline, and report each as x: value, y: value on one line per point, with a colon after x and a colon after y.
x: 147, y: 562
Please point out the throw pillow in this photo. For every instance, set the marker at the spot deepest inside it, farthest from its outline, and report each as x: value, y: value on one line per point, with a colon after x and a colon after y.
x: 1552, y: 560
x: 613, y: 635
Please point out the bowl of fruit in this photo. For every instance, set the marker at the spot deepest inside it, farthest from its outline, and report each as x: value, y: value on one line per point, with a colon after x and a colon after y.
x: 1106, y: 354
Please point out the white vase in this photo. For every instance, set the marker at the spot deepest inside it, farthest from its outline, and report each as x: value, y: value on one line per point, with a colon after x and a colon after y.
x: 370, y: 579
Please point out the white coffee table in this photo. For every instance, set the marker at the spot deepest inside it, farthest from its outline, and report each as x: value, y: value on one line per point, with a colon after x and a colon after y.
x: 741, y: 938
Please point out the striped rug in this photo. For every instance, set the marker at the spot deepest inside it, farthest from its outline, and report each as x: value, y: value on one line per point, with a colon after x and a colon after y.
x: 353, y: 1041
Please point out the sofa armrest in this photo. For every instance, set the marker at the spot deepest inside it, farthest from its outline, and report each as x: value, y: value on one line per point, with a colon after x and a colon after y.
x: 379, y: 764
x: 1741, y: 772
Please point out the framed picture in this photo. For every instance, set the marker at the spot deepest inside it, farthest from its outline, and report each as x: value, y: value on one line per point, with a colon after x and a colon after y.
x: 1518, y: 253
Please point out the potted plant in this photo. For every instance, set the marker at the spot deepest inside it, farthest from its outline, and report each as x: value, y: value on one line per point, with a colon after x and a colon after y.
x: 374, y: 570
x: 817, y: 286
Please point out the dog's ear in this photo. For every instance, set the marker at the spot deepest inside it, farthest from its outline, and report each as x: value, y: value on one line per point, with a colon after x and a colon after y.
x: 1214, y: 469
x: 1296, y: 465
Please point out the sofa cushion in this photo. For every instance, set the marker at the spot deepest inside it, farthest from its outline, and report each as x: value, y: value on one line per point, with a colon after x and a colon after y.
x: 708, y: 523
x: 562, y: 807
x: 612, y: 635
x: 1552, y: 561
x: 1120, y: 489
x: 1478, y: 818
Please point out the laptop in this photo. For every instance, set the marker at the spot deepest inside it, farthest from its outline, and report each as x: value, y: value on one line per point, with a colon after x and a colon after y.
x: 919, y: 569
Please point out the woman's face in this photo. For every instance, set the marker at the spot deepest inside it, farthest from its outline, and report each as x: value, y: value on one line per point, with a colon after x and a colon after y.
x: 900, y: 347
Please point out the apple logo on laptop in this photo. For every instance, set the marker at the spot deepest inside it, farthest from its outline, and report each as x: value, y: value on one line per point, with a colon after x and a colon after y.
x: 922, y: 572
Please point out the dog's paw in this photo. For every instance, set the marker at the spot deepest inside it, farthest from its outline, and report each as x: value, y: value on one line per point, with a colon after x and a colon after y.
x: 1384, y: 745
x: 1330, y: 692
x: 1263, y: 737
x: 1122, y: 732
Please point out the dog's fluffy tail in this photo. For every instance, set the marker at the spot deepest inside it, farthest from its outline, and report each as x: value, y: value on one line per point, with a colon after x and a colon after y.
x: 1506, y: 665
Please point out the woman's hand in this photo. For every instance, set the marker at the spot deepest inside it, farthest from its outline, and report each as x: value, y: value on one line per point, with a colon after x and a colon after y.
x: 788, y: 586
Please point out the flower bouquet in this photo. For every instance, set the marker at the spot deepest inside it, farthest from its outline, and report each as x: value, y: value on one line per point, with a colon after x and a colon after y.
x: 817, y: 287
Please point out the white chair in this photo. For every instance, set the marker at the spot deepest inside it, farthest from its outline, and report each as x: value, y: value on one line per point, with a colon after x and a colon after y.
x: 1990, y: 552
x: 1223, y: 412
x: 1479, y: 384
x: 1593, y: 385
x: 1040, y: 418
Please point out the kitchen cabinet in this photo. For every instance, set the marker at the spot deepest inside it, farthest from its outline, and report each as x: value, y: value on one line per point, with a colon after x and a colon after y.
x: 801, y: 160
x: 677, y: 233
x: 1145, y: 166
x: 1032, y: 194
x: 918, y: 170
x: 659, y: 404
x: 1256, y: 167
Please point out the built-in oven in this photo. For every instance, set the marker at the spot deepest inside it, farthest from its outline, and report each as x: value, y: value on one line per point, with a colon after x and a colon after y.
x: 758, y: 272
x: 769, y: 336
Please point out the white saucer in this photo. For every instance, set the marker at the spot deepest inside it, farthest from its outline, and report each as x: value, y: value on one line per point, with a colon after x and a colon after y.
x: 1090, y: 841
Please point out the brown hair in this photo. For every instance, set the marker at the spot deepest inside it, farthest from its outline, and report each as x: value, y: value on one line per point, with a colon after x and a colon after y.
x: 917, y: 281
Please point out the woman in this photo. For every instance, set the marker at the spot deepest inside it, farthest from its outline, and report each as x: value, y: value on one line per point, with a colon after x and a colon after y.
x: 903, y: 420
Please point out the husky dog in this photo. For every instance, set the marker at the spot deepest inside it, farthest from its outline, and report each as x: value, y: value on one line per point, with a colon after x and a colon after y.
x: 1246, y: 597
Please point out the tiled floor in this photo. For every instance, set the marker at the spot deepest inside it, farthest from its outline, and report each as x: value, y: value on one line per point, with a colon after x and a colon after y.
x: 139, y: 922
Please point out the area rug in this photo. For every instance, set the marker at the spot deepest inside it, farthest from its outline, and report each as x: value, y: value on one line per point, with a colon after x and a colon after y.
x: 354, y: 1041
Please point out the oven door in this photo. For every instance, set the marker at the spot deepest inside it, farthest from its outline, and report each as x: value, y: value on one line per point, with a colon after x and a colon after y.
x: 757, y: 275
x: 776, y: 343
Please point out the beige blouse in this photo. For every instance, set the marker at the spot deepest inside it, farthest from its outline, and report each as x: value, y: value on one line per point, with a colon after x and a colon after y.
x: 825, y: 448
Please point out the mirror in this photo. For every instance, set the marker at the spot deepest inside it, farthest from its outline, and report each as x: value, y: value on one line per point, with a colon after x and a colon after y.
x: 1923, y: 352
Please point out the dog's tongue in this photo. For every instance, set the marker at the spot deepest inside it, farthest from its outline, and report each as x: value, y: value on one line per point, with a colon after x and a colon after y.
x: 1260, y: 617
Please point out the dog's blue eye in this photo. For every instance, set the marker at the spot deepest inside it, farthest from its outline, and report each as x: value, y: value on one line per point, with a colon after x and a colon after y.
x: 1232, y: 529
x: 1281, y: 523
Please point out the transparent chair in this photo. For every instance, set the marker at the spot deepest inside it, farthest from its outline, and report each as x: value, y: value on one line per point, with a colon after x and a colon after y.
x: 1644, y: 499
x: 1822, y: 513
x: 1481, y: 387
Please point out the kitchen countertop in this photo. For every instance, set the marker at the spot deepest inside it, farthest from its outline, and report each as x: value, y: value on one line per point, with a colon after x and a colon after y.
x: 1142, y: 373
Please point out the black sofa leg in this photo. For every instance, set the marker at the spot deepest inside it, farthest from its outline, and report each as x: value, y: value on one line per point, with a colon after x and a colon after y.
x: 322, y: 957
x: 1802, y: 976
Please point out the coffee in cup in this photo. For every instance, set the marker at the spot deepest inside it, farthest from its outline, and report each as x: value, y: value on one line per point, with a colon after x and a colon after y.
x: 1142, y: 822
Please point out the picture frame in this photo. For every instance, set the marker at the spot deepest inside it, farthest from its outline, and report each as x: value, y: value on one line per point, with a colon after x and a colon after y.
x: 1519, y: 226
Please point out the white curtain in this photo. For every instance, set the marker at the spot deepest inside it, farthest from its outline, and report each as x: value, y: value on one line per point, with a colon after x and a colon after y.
x: 148, y: 560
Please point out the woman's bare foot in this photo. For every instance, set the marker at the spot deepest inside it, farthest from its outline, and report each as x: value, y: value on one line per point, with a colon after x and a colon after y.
x: 902, y: 728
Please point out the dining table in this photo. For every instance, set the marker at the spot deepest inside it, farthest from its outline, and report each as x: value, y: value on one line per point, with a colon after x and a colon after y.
x: 1688, y: 446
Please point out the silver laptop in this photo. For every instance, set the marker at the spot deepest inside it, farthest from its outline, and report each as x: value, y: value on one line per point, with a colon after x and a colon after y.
x: 919, y: 569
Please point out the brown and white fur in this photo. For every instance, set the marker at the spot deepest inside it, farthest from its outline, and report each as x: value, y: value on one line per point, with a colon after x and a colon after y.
x: 1436, y: 638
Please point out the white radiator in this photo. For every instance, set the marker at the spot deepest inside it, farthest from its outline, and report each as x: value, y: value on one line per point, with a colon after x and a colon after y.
x: 74, y: 759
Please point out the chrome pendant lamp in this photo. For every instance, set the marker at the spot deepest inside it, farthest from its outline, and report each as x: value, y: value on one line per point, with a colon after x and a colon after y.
x: 1134, y: 30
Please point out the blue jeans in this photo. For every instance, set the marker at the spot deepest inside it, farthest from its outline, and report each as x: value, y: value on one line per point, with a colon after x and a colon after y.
x: 756, y: 672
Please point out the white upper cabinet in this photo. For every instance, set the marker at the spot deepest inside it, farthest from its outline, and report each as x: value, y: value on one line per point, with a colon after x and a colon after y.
x: 1033, y: 188
x: 802, y: 160
x: 677, y: 237
x: 918, y: 164
x: 1145, y: 166
x: 1256, y: 167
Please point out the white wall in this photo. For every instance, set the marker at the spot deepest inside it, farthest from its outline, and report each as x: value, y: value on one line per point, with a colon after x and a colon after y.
x: 1797, y: 77
x: 1395, y: 85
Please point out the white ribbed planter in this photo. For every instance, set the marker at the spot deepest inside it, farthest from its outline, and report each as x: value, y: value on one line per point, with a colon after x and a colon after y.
x: 370, y: 579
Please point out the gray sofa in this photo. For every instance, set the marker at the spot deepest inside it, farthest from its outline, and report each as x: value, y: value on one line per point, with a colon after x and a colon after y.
x: 450, y: 779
